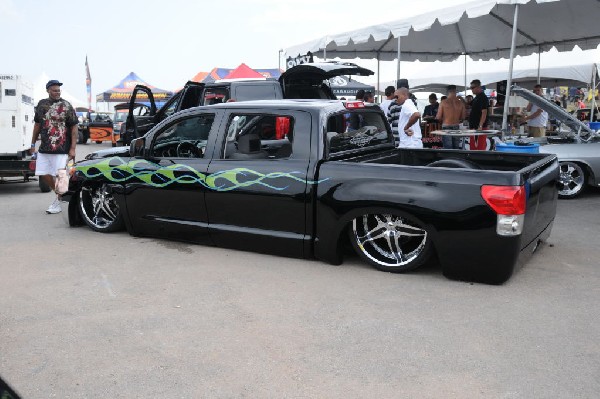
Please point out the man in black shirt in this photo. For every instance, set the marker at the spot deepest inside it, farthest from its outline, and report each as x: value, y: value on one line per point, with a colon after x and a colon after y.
x: 479, y: 107
x: 431, y: 110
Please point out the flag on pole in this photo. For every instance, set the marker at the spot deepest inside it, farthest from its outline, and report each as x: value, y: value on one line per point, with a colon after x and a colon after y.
x: 88, y: 84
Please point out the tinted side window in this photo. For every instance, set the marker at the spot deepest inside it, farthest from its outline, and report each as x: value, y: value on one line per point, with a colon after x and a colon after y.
x: 185, y: 138
x: 357, y: 129
x: 259, y: 137
x: 172, y: 106
x: 248, y: 92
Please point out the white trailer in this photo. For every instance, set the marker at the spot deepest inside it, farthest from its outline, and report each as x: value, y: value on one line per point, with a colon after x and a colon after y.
x: 16, y: 127
x: 16, y: 116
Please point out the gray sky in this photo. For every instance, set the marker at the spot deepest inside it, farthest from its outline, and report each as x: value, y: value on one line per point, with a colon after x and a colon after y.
x: 168, y: 42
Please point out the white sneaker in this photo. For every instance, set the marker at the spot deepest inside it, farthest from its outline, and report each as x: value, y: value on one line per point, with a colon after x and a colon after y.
x: 54, y: 207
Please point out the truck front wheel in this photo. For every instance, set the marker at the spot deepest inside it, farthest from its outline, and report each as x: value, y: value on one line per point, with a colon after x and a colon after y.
x: 571, y: 181
x: 99, y: 210
x: 389, y: 242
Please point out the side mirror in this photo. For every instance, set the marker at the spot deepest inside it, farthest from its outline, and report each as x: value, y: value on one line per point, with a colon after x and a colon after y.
x: 137, y: 147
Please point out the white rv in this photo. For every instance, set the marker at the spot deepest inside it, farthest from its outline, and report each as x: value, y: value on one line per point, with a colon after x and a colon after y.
x: 16, y: 116
x: 16, y: 128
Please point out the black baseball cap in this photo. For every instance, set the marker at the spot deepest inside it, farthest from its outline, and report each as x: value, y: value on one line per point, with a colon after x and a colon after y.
x: 53, y: 82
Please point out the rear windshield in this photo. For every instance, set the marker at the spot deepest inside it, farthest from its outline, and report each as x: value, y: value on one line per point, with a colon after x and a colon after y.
x: 356, y: 129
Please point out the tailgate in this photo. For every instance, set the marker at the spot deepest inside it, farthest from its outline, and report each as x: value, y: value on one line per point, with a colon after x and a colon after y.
x: 542, y: 196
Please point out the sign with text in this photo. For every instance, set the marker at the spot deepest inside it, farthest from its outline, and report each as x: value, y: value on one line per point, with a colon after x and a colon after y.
x: 300, y: 59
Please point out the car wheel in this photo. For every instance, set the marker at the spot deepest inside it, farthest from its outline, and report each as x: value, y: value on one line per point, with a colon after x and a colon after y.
x: 99, y: 210
x: 43, y: 186
x: 571, y: 181
x: 98, y: 142
x: 389, y: 242
x: 80, y: 137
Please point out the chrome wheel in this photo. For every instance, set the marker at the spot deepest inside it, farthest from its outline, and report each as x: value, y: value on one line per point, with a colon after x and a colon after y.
x: 571, y: 180
x: 389, y: 242
x: 99, y: 209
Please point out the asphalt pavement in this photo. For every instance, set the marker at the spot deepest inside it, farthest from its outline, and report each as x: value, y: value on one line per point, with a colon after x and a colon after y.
x: 89, y: 315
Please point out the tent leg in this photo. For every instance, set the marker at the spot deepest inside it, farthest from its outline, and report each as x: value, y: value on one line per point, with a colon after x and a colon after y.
x: 593, y: 107
x: 399, y: 55
x: 378, y: 80
x: 510, y: 72
x: 539, y: 63
x: 466, y: 75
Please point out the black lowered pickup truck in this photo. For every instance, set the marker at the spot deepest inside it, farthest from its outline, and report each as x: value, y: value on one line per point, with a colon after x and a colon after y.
x: 303, y: 177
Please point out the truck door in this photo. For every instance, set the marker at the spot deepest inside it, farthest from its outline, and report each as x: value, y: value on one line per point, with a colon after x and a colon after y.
x: 166, y: 197
x: 191, y: 95
x: 259, y: 182
x: 138, y: 125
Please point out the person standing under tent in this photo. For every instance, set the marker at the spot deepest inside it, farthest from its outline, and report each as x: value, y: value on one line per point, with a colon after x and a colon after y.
x: 537, y: 118
x: 389, y: 98
x: 451, y: 113
x: 407, y: 128
x: 431, y: 110
x: 479, y: 107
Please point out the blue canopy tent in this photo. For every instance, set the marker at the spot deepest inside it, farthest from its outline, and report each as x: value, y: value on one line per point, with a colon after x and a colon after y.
x: 121, y: 93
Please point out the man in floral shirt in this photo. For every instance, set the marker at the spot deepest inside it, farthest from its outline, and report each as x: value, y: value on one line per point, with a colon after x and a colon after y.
x: 56, y: 125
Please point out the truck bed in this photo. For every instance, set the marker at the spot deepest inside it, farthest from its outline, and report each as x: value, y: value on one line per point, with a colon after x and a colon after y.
x: 449, y: 201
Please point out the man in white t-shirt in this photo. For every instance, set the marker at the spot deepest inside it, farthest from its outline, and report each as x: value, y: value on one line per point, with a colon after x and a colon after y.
x: 537, y: 118
x: 389, y: 98
x: 408, y: 127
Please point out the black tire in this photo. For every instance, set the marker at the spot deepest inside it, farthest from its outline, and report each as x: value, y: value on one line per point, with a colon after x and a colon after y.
x: 98, y: 142
x: 43, y: 186
x: 454, y: 163
x: 99, y: 210
x: 80, y: 137
x: 572, y: 180
x: 389, y: 242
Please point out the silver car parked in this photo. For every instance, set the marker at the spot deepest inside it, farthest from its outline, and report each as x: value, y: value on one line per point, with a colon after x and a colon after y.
x: 578, y: 151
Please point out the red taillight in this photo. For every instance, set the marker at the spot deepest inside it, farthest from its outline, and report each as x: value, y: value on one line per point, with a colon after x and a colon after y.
x: 282, y: 127
x: 354, y: 104
x: 32, y: 166
x: 505, y: 200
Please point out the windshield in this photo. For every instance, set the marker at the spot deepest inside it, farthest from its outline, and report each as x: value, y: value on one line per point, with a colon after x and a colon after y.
x: 120, y: 116
x: 357, y: 129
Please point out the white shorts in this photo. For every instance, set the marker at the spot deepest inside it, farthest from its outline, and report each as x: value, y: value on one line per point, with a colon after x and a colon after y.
x: 49, y: 164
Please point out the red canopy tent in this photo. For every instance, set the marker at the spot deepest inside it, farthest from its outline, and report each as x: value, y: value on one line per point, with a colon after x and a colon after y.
x: 243, y: 71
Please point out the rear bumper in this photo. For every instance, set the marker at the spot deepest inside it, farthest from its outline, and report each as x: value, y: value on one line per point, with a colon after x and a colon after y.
x: 21, y: 167
x: 483, y: 256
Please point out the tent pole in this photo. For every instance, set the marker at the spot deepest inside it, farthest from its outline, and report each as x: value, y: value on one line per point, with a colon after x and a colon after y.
x: 510, y: 72
x: 325, y: 53
x: 378, y: 80
x: 539, y: 63
x: 593, y: 107
x: 465, y: 75
x: 399, y: 54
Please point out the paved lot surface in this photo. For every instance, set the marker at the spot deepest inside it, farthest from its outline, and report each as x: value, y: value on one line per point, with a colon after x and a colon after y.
x: 88, y: 315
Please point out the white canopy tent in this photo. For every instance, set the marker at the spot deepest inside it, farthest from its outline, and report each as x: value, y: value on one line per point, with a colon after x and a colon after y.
x: 482, y: 29
x: 574, y: 68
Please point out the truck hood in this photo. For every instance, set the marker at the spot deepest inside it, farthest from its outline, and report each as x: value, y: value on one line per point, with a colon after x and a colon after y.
x: 109, y: 152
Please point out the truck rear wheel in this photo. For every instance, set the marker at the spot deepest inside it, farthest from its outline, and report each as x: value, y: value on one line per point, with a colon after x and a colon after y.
x: 81, y: 138
x: 389, y: 242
